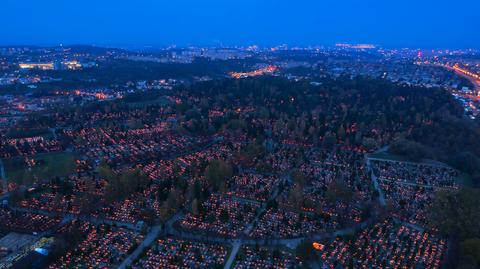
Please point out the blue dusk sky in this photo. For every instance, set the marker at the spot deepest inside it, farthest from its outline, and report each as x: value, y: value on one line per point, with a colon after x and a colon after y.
x: 390, y: 23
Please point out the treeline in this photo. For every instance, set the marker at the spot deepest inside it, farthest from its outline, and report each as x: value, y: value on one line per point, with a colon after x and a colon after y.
x: 416, y: 122
x: 449, y: 139
x: 120, y: 185
x: 121, y: 71
x: 457, y: 215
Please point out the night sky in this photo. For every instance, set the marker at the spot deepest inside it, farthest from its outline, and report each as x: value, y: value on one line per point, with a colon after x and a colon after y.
x: 390, y: 23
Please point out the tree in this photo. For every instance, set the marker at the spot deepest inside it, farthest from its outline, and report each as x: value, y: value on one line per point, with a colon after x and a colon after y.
x: 65, y: 187
x: 85, y: 203
x: 196, y: 191
x: 224, y: 216
x: 471, y: 248
x: 121, y: 185
x: 163, y: 194
x: 296, y: 196
x: 305, y: 251
x: 16, y: 196
x: 329, y: 140
x: 412, y: 150
x: 105, y: 171
x: 457, y: 213
x: 466, y: 162
x: 164, y: 212
x: 369, y: 143
x: 338, y: 189
x: 217, y: 173
x: 358, y: 138
x: 298, y: 178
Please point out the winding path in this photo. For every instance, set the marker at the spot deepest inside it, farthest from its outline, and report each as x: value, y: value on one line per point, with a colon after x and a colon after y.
x: 381, y: 196
x: 149, y: 239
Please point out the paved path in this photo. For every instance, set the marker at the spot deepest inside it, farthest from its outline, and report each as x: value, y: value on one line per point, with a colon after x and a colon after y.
x: 236, y: 246
x: 428, y: 163
x: 382, y: 149
x: 65, y: 220
x: 149, y: 239
x: 381, y: 196
x: 169, y: 229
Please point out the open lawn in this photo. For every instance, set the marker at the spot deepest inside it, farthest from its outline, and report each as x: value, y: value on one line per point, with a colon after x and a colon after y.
x: 22, y: 133
x: 49, y: 165
x: 387, y: 156
x: 465, y: 180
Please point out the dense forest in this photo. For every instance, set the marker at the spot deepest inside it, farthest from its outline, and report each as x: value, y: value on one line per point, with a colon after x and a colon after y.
x: 417, y: 122
x: 122, y: 70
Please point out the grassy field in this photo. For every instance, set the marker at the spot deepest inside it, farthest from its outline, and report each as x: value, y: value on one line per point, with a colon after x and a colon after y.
x: 388, y: 156
x: 22, y: 133
x: 465, y: 180
x: 52, y: 165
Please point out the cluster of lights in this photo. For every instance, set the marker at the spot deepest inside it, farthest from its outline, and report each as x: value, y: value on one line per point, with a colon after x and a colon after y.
x: 42, y: 66
x: 71, y: 65
x: 267, y: 70
x: 98, y: 95
x: 355, y: 46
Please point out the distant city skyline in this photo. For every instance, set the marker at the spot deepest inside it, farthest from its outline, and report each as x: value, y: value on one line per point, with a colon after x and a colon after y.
x: 428, y: 24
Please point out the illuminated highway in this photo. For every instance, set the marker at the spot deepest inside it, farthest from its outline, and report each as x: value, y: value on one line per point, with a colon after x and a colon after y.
x: 474, y: 78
